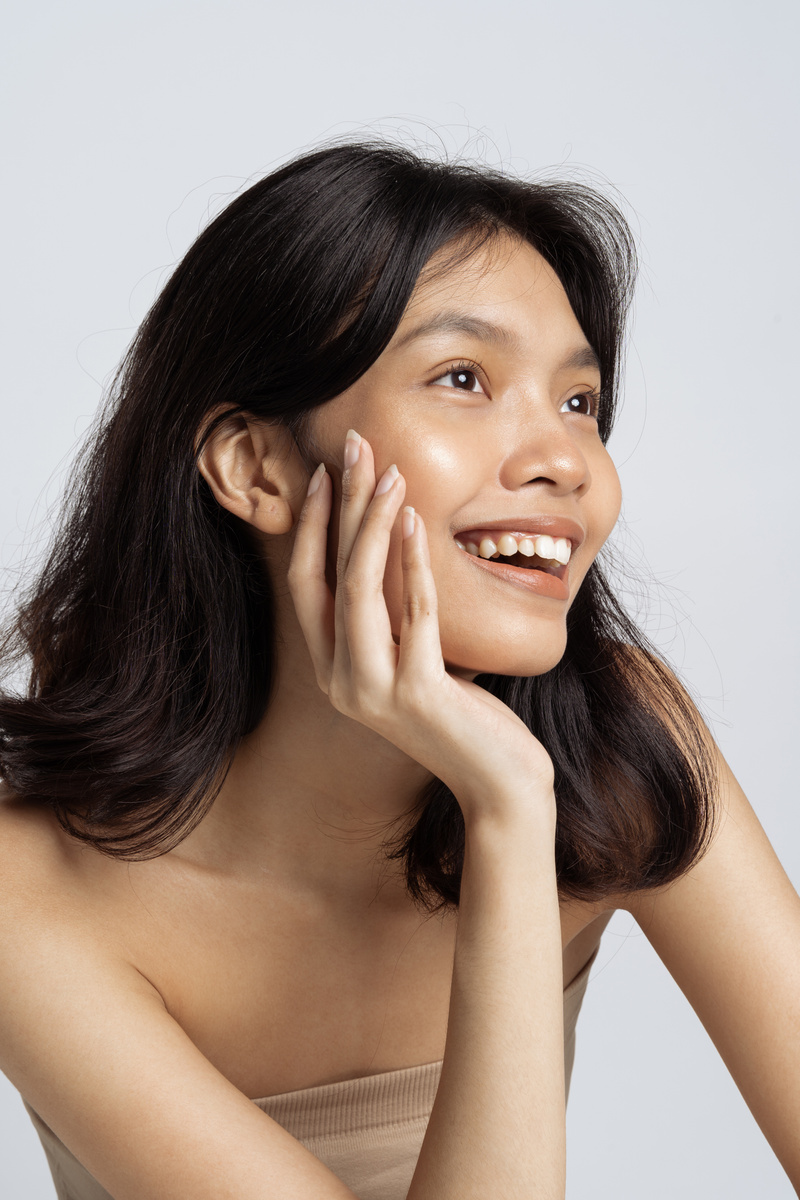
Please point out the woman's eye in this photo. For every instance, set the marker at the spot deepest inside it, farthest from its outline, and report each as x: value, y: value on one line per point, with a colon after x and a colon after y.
x: 585, y: 404
x: 461, y: 378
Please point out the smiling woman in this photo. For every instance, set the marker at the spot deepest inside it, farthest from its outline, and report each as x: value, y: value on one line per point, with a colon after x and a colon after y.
x: 338, y: 752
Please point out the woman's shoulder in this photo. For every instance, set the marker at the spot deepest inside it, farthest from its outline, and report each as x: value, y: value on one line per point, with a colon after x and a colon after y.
x: 58, y: 921
x: 91, y: 1045
x: 34, y: 854
x: 49, y: 880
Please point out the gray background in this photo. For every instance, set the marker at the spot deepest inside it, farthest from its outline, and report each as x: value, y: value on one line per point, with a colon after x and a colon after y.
x: 127, y: 124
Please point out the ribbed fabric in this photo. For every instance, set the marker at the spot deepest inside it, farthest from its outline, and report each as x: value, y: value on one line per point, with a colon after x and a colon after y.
x: 355, y: 1108
x: 368, y: 1131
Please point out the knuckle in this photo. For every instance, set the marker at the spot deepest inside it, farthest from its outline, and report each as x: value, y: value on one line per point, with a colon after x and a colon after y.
x: 351, y: 589
x: 353, y: 700
x: 342, y: 563
x: 355, y: 588
x: 416, y: 607
x: 350, y: 488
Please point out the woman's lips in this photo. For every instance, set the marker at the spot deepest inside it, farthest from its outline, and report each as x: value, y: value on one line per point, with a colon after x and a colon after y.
x: 552, y: 582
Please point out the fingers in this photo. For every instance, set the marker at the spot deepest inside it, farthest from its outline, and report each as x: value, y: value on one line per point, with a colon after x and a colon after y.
x: 358, y: 487
x: 308, y: 586
x: 420, y: 644
x: 364, y: 644
x: 349, y: 636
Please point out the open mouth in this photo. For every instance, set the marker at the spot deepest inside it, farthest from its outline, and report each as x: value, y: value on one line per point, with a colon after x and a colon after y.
x: 537, y: 562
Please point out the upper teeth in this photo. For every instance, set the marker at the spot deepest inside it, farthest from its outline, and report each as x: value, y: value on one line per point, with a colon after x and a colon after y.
x: 554, y: 549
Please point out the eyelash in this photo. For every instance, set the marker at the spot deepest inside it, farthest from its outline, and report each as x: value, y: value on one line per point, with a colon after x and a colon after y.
x: 474, y: 368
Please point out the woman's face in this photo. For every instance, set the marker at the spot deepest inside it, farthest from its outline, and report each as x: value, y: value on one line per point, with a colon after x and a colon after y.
x: 485, y: 399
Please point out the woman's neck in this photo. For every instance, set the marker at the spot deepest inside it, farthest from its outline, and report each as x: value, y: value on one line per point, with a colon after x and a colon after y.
x: 309, y: 798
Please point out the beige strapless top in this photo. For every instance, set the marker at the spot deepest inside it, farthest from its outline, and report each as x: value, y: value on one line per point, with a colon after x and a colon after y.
x: 368, y: 1131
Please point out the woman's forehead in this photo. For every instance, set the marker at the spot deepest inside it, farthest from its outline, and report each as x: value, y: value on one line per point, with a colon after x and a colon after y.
x: 470, y: 292
x: 502, y: 263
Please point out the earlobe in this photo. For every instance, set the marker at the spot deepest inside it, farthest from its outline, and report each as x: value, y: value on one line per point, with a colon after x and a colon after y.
x: 243, y: 464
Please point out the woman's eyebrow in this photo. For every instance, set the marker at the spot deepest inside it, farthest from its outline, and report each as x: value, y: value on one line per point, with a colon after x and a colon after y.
x: 580, y: 359
x: 487, y: 331
x: 455, y: 322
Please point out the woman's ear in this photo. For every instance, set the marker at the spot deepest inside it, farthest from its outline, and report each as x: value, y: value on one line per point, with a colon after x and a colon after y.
x: 254, y: 470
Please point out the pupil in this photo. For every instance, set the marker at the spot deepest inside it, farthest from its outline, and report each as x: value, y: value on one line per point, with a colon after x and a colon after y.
x: 463, y: 378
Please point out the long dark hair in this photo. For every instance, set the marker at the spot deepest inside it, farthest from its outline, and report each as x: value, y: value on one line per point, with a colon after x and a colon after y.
x: 150, y: 631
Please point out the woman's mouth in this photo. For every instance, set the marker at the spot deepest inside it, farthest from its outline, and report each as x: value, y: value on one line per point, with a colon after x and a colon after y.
x: 536, y: 562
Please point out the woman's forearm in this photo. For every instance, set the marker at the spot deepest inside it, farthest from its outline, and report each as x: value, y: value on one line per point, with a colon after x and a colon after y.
x: 497, y: 1126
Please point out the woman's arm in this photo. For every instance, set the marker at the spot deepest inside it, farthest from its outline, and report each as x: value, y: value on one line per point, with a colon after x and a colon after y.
x: 497, y: 1128
x: 729, y: 933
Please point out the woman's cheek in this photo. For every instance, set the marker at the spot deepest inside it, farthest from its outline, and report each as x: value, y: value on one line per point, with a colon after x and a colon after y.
x: 606, y: 494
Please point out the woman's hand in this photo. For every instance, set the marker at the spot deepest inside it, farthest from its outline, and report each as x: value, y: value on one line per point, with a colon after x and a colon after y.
x: 468, y: 738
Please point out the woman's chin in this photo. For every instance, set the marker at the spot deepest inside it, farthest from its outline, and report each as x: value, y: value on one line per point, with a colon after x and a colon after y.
x: 526, y: 661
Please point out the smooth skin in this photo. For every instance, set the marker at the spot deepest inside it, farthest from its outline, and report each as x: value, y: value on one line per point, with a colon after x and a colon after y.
x: 142, y: 1004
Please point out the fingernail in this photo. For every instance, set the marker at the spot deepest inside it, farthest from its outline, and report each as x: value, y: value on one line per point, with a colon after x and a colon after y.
x: 352, y: 447
x: 389, y: 476
x: 409, y: 520
x: 316, y: 479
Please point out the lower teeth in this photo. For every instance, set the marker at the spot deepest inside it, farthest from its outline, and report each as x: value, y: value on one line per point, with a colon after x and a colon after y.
x: 535, y: 563
x: 532, y: 563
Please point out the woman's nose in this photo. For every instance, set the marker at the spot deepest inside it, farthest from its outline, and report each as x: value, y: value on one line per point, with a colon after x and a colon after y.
x: 548, y: 454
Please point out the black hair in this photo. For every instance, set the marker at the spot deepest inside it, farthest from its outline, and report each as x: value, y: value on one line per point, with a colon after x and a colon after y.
x: 150, y: 631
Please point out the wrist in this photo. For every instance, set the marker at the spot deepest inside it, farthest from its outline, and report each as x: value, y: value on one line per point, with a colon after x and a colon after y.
x: 510, y: 812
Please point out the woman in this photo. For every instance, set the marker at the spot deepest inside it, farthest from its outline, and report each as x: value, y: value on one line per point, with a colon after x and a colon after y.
x: 338, y: 753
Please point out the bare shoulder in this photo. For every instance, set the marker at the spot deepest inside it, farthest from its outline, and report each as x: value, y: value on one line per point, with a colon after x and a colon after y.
x: 40, y: 864
x: 34, y: 856
x: 55, y: 935
x: 88, y: 1041
x: 738, y: 869
x: 60, y: 906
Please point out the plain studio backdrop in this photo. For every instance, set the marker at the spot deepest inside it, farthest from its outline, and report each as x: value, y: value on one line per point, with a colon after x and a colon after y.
x: 127, y: 125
